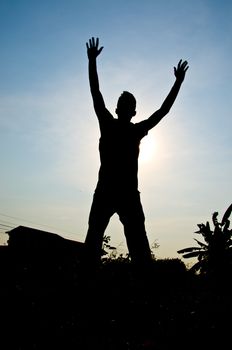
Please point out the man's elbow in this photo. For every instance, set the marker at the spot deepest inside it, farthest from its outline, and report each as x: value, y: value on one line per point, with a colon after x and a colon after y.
x: 164, y: 110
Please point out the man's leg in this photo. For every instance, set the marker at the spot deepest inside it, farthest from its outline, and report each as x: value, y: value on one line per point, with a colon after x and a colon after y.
x: 100, y: 213
x: 132, y: 217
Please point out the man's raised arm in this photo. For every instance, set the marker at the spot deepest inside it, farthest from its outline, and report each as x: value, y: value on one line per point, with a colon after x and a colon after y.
x: 179, y: 73
x: 93, y: 51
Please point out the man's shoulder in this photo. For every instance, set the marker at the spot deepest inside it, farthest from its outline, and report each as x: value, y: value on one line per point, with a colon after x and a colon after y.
x: 107, y: 124
x: 141, y: 128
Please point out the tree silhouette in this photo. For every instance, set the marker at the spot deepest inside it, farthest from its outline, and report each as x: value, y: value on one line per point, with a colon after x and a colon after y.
x: 215, y: 255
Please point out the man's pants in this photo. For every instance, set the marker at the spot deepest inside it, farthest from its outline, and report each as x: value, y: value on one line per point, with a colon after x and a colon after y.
x: 129, y: 209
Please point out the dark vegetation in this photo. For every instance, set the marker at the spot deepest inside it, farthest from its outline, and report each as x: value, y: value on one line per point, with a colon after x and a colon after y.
x: 215, y: 254
x: 49, y: 302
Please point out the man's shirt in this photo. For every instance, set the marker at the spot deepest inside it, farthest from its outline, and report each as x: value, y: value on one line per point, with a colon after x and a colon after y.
x: 119, y: 151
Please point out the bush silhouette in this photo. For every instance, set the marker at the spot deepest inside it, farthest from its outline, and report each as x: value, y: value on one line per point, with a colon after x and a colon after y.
x: 215, y: 255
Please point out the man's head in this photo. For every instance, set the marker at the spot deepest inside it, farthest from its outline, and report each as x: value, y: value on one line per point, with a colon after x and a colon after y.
x: 126, y: 106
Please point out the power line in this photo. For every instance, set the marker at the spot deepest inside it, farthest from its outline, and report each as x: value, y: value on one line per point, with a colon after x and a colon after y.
x: 6, y: 225
x: 33, y: 223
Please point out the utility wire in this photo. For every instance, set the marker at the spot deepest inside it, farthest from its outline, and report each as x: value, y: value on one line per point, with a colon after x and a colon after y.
x: 33, y: 223
x: 6, y: 225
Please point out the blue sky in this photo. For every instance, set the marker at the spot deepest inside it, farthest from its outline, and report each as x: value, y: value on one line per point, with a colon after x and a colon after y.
x: 49, y: 133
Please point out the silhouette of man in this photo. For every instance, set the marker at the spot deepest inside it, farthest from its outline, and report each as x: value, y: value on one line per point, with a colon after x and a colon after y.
x: 117, y: 186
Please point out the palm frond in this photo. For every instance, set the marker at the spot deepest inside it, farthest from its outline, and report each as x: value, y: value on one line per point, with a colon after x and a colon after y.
x: 191, y: 255
x: 214, y: 218
x: 226, y: 225
x: 201, y: 228
x: 208, y: 226
x: 203, y: 245
x: 227, y: 214
x: 204, y: 230
x: 217, y: 247
x: 187, y: 250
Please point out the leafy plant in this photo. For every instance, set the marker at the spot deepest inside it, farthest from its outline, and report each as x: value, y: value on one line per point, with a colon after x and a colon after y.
x: 215, y: 255
x: 107, y: 249
x: 110, y: 253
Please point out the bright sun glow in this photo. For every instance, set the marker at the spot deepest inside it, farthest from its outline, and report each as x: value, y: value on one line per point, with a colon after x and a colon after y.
x: 147, y: 149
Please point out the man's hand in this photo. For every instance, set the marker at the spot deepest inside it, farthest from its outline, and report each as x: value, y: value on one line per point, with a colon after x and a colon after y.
x: 180, y: 70
x: 92, y: 48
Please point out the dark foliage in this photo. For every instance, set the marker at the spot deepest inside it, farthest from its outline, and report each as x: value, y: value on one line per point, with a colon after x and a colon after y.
x: 215, y: 255
x: 118, y: 306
